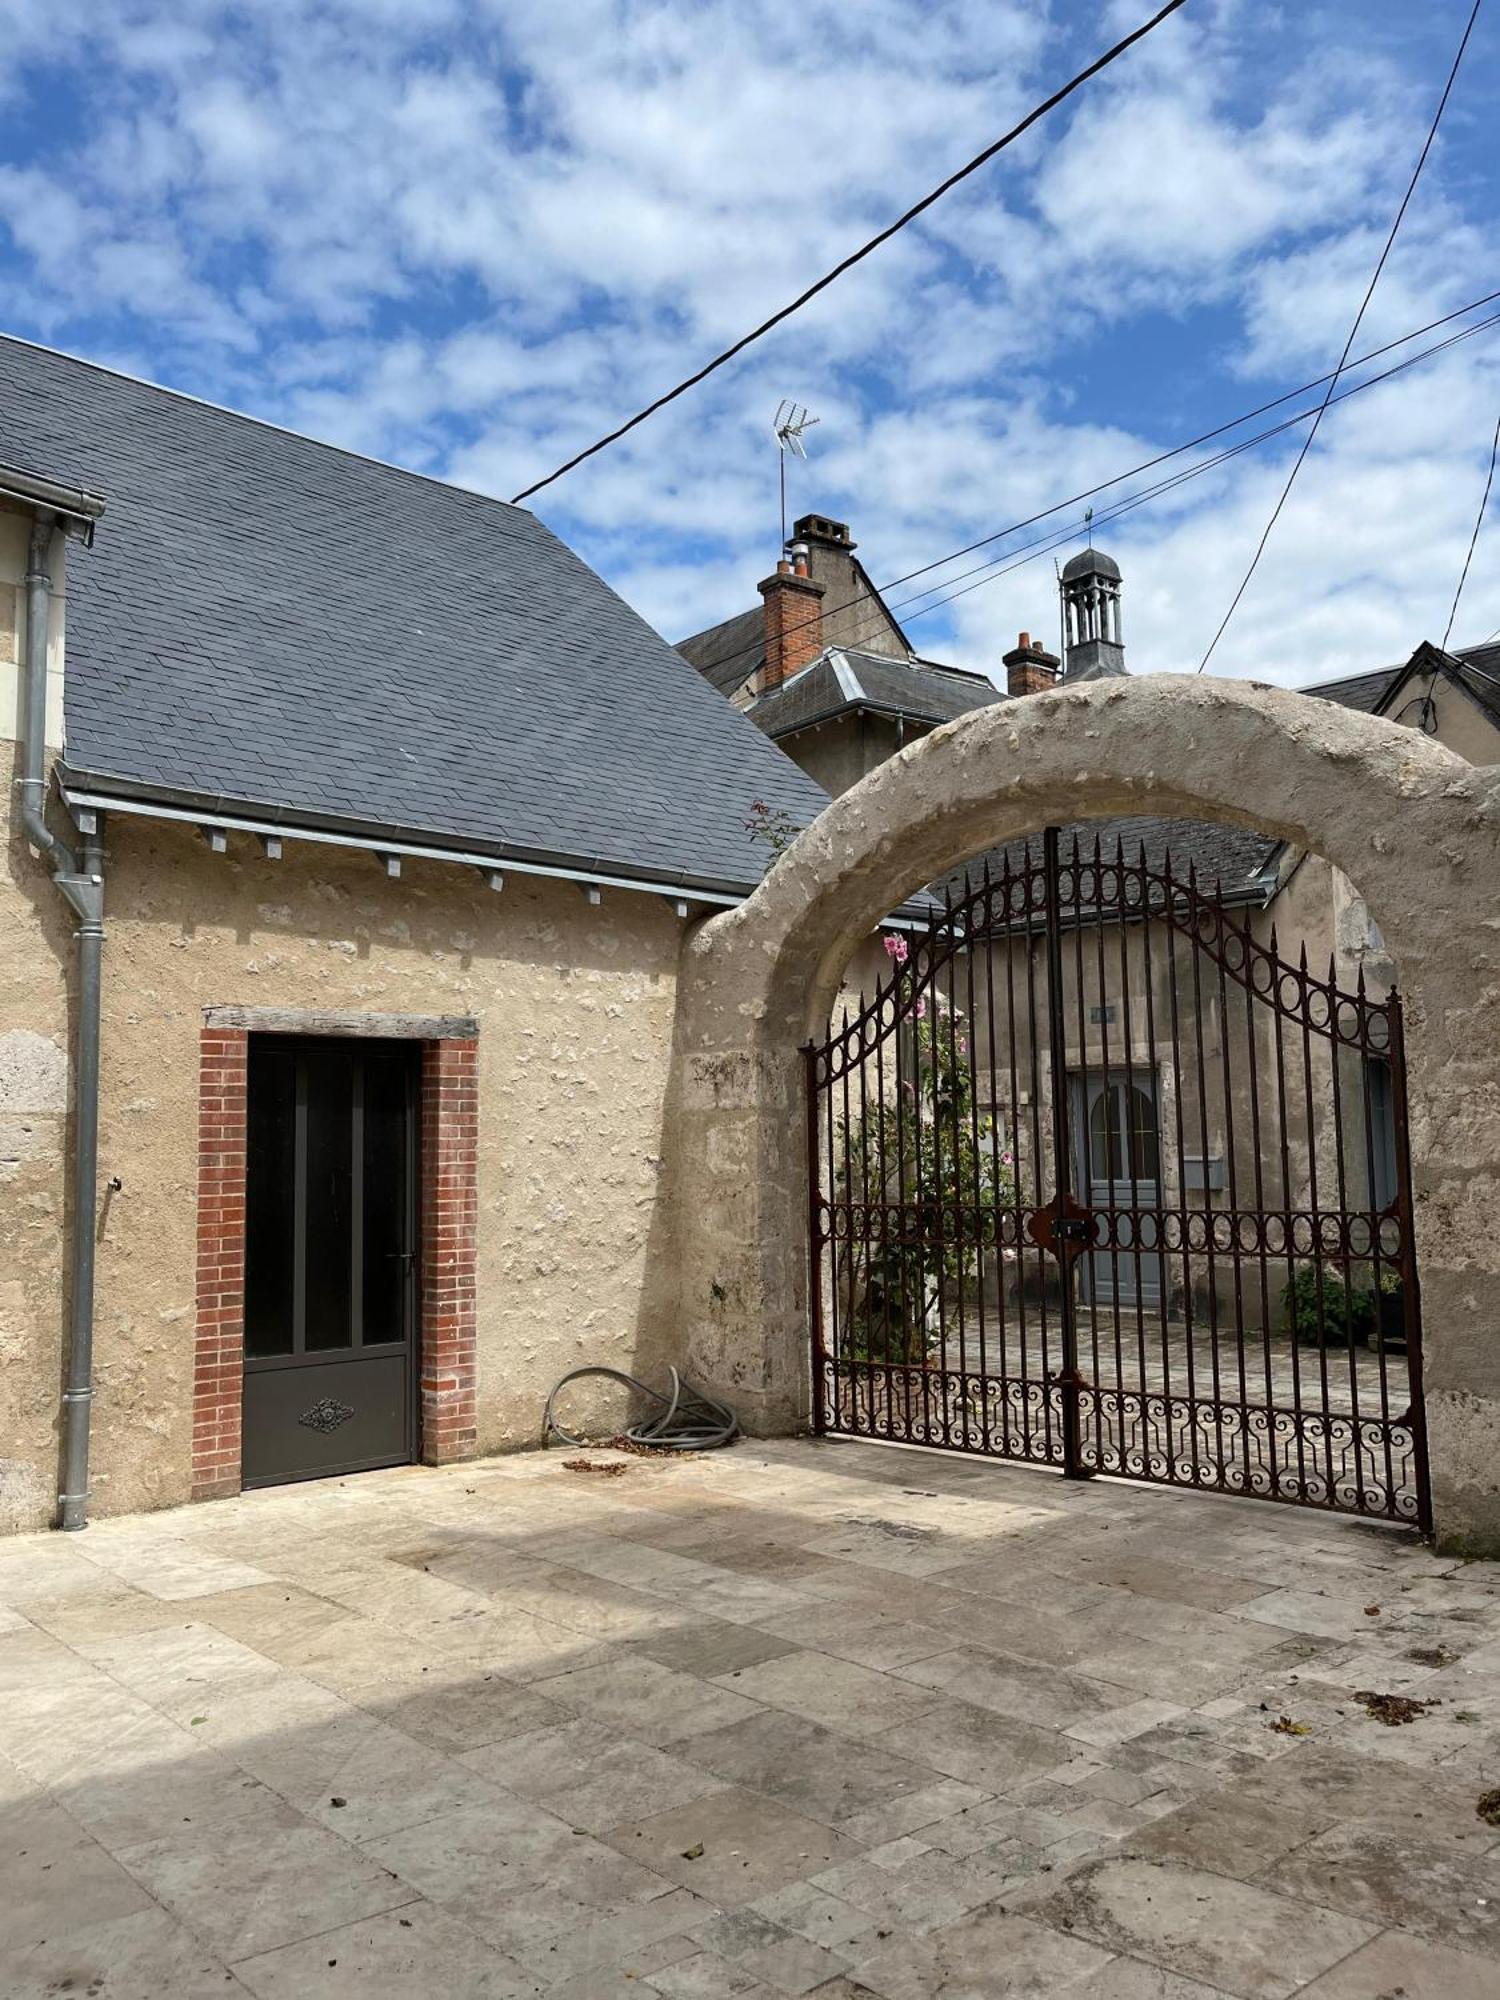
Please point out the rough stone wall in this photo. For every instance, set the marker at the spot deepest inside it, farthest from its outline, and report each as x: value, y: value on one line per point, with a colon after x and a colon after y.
x: 35, y: 951
x: 1414, y: 825
x: 575, y: 1009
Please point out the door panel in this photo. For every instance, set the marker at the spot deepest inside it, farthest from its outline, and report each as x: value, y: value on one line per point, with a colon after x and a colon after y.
x: 1119, y: 1144
x: 330, y: 1257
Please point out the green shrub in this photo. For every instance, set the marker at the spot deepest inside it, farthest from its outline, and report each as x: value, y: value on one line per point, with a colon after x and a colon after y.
x: 1327, y: 1311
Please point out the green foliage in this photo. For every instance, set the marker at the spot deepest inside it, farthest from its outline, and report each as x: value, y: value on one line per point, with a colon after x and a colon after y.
x: 1327, y: 1312
x: 939, y: 1177
x: 772, y: 826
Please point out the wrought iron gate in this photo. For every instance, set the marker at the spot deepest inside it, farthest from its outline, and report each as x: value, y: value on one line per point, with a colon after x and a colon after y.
x: 1101, y: 1181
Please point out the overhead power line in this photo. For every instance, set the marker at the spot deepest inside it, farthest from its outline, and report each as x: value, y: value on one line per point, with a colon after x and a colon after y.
x: 1380, y: 262
x: 1045, y: 543
x: 1113, y: 511
x: 1002, y: 566
x: 1203, y: 437
x: 1484, y: 501
x: 857, y: 256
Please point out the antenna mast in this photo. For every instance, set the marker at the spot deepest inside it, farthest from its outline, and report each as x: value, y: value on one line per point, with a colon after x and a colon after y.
x: 787, y: 427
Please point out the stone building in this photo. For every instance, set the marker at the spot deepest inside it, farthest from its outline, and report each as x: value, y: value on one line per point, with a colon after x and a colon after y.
x: 392, y: 1012
x: 393, y: 815
x: 1222, y: 1154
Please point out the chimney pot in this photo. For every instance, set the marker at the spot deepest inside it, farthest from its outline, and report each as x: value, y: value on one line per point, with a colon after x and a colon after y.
x: 1030, y: 669
x: 794, y: 619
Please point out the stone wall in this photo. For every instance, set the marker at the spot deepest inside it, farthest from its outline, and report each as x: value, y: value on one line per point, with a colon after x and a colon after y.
x: 1413, y: 825
x: 574, y: 1006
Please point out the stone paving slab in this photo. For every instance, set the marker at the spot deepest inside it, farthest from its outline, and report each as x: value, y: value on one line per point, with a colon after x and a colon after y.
x: 795, y: 1718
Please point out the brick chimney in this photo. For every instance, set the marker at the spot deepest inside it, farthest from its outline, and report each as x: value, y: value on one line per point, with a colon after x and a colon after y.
x: 794, y: 618
x: 1030, y: 668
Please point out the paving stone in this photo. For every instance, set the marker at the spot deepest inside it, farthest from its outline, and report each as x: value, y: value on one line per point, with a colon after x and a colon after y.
x: 648, y: 1701
x: 1023, y: 1689
x: 1390, y: 1880
x: 147, y: 1956
x: 416, y: 1948
x: 856, y: 1701
x: 806, y: 1767
x: 619, y: 1780
x: 255, y: 1886
x: 1392, y: 1964
x: 991, y: 1955
x: 595, y: 1940
x: 713, y: 1647
x: 884, y: 1693
x: 980, y: 1748
x: 750, y: 1846
x: 1230, y: 1934
x: 476, y: 1858
x: 56, y: 1877
x: 816, y: 1914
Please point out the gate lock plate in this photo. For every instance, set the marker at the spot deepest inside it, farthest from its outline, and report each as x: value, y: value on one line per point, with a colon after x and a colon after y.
x: 1064, y: 1226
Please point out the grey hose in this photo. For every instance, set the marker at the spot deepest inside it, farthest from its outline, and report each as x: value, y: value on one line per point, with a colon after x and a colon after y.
x: 686, y: 1420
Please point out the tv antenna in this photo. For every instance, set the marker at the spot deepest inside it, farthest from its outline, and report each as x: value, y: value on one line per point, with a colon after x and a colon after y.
x: 789, y: 427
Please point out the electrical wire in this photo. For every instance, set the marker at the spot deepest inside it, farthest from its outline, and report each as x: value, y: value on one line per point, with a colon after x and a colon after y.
x: 1043, y: 544
x: 1478, y: 523
x: 1380, y: 262
x: 685, y: 1421
x: 857, y: 256
x: 987, y: 572
x: 1204, y: 437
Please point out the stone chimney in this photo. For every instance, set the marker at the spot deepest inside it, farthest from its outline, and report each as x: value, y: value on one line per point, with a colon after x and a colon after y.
x: 1030, y: 668
x: 794, y: 618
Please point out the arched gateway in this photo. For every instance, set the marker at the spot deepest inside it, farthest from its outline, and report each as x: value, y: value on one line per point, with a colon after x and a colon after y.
x: 1414, y: 827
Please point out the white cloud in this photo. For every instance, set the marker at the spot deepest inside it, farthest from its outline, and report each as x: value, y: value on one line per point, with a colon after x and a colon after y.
x: 472, y: 234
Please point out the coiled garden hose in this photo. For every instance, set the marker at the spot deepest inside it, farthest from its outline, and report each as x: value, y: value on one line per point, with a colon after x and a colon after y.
x: 686, y: 1420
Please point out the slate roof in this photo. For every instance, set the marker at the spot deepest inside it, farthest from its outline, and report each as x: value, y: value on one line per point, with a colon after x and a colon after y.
x: 1222, y: 856
x: 844, y: 681
x: 1090, y: 562
x: 1479, y: 671
x: 269, y: 622
x: 1361, y: 691
x: 1476, y: 668
x: 728, y: 654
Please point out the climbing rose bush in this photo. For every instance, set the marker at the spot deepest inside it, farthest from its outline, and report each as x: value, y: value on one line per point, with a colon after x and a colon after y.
x: 938, y: 1169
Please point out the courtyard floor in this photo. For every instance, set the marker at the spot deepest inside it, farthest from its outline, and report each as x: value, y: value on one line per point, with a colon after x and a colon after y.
x: 792, y: 1718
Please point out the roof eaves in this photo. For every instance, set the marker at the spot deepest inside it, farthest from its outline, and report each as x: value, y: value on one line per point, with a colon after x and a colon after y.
x: 103, y: 791
x: 868, y: 705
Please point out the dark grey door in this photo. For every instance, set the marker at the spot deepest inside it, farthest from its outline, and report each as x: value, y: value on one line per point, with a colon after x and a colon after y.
x: 330, y: 1258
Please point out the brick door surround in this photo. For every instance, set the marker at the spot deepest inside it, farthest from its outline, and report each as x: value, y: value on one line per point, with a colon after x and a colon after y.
x: 448, y: 1140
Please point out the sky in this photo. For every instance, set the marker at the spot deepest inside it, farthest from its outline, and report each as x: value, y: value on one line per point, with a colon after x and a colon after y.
x: 468, y: 236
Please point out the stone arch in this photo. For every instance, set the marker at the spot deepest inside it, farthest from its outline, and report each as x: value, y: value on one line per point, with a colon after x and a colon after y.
x: 1414, y: 827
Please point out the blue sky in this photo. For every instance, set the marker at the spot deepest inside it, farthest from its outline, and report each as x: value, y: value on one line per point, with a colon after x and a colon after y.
x: 467, y: 235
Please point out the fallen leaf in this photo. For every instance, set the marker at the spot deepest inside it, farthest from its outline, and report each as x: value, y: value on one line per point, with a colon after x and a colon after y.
x: 1393, y: 1709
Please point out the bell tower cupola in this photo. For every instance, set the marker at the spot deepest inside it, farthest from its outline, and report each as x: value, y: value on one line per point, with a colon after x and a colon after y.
x: 1094, y: 645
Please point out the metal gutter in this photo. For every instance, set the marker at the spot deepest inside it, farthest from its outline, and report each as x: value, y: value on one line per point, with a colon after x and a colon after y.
x: 83, y: 802
x: 273, y: 826
x: 77, y: 508
x: 79, y: 878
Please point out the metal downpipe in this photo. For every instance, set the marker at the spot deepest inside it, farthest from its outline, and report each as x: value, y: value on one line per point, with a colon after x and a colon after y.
x: 80, y: 880
x: 78, y: 1396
